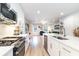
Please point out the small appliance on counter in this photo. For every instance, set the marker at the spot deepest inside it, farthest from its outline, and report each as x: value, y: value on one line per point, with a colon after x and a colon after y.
x: 76, y: 32
x: 17, y: 30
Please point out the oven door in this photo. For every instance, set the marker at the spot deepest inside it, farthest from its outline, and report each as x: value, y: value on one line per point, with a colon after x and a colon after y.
x: 19, y: 50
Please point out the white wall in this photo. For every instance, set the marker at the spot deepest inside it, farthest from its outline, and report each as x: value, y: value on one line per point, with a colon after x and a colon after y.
x: 70, y: 23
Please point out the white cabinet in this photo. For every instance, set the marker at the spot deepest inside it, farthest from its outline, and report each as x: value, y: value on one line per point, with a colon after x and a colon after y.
x: 42, y: 40
x: 56, y: 48
x: 53, y: 47
x: 67, y: 51
x: 64, y: 52
x: 49, y: 45
x: 75, y: 53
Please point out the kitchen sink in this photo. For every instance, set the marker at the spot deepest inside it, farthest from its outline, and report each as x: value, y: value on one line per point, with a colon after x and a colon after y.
x: 60, y: 38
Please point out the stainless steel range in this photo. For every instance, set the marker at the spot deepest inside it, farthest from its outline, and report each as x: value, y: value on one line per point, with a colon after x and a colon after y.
x: 8, y: 41
x: 18, y: 43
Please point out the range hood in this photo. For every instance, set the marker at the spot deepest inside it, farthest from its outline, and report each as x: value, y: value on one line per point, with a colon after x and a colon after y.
x: 4, y: 20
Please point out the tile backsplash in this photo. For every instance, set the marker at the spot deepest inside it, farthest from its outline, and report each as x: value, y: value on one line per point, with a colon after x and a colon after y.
x: 6, y: 30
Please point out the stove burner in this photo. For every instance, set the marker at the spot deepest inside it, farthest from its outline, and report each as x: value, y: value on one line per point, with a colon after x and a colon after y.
x: 6, y: 43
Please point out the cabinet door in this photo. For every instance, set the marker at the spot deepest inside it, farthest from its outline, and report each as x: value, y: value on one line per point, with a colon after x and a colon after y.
x: 49, y: 45
x: 55, y: 47
x: 67, y: 51
x: 75, y: 53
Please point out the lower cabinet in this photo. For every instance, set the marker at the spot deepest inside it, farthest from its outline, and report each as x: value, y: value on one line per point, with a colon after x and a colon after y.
x: 56, y: 48
x: 53, y: 47
x: 49, y: 45
x: 67, y: 51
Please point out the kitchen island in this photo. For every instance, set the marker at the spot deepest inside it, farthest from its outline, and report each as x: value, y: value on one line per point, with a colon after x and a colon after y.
x: 6, y: 50
x: 58, y: 47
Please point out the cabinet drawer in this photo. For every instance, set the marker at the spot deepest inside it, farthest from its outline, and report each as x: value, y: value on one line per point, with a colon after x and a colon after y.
x: 68, y: 51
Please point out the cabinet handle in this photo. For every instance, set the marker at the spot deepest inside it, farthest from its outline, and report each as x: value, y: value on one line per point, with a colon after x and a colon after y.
x: 66, y: 50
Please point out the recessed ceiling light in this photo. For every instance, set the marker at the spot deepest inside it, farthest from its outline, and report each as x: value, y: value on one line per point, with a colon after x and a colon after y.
x: 38, y: 11
x: 61, y: 13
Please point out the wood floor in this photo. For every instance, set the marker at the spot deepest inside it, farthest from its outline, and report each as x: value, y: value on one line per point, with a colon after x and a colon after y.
x: 36, y: 50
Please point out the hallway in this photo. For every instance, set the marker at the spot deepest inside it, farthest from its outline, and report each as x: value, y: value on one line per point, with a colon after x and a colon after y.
x: 36, y: 47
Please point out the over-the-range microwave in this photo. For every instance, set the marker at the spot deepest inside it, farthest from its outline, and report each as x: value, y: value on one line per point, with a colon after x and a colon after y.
x: 6, y: 12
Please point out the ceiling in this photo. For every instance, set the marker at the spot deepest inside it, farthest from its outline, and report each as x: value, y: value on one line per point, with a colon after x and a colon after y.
x: 49, y: 12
